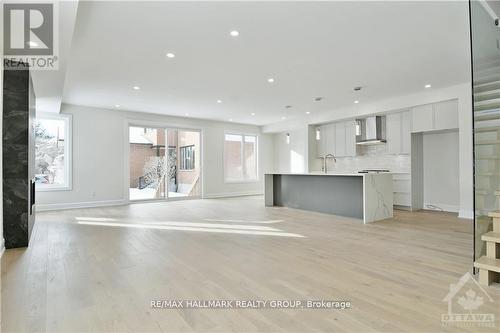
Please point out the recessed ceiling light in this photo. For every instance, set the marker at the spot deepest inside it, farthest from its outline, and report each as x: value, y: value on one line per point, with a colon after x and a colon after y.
x: 32, y: 44
x: 187, y: 114
x: 428, y: 86
x: 170, y: 55
x: 136, y: 87
x: 283, y: 118
x: 234, y: 33
x: 270, y: 80
x: 356, y: 102
x: 253, y: 113
x: 219, y: 101
x: 117, y: 105
x: 307, y: 112
x: 230, y: 119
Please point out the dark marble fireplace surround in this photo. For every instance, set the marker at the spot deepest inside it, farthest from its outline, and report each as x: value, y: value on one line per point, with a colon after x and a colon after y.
x: 18, y: 156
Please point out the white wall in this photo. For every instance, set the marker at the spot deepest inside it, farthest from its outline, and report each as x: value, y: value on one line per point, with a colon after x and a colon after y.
x: 99, y: 157
x: 441, y: 175
x: 291, y: 157
x: 461, y: 92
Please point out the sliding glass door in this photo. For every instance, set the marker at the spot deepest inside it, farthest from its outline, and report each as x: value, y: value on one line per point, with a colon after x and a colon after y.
x: 184, y: 167
x: 164, y: 163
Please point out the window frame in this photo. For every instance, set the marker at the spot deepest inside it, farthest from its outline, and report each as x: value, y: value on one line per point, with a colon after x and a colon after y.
x: 68, y: 149
x: 193, y: 155
x: 243, y: 179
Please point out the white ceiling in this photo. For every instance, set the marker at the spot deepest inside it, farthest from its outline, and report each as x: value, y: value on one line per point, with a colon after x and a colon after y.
x: 310, y: 48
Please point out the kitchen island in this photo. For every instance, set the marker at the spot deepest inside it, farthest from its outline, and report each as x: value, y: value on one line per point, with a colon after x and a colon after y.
x: 366, y: 196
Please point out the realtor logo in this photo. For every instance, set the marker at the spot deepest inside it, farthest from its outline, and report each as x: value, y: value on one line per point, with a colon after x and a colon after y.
x: 467, y: 295
x: 29, y: 34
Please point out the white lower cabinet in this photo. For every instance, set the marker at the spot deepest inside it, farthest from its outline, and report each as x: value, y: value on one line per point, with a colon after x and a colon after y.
x: 401, y: 186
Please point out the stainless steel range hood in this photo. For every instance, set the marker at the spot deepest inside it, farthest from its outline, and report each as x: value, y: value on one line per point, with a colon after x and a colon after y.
x: 370, y: 130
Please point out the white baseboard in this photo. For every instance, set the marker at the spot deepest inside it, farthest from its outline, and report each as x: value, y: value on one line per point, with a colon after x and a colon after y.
x: 444, y: 207
x: 231, y: 194
x: 466, y: 214
x: 73, y: 205
x: 104, y: 203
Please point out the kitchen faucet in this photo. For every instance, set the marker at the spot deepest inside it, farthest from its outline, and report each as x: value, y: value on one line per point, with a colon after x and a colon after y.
x: 325, y: 159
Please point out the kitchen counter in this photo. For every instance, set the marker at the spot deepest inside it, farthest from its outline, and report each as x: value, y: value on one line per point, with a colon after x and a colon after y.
x: 333, y: 173
x: 366, y: 196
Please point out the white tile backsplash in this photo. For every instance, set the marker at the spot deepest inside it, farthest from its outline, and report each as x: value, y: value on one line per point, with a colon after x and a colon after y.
x: 372, y: 157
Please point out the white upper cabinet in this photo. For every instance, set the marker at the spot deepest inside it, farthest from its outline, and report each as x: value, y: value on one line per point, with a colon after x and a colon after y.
x: 350, y: 138
x: 340, y: 139
x: 423, y: 118
x: 320, y: 141
x: 398, y: 132
x: 393, y: 133
x: 446, y: 115
x: 330, y: 139
x: 405, y: 132
x: 435, y: 117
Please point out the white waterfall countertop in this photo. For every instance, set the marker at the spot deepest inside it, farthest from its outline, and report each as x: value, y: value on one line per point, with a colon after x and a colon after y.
x: 333, y: 173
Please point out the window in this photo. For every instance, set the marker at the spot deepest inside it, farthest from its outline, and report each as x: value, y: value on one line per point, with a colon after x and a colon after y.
x: 240, y: 157
x: 52, y: 152
x: 186, y: 158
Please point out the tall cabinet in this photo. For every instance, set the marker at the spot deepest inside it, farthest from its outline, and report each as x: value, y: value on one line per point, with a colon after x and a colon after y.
x: 18, y: 156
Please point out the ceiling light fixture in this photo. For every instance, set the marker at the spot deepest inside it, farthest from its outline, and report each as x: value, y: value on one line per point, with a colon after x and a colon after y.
x: 356, y: 102
x: 187, y: 114
x: 170, y: 55
x: 253, y: 113
x: 230, y: 119
x: 117, y: 105
x: 428, y: 86
x: 270, y: 80
x: 136, y: 87
x: 283, y: 118
x: 234, y: 33
x: 287, y: 138
x: 307, y: 112
x: 219, y: 101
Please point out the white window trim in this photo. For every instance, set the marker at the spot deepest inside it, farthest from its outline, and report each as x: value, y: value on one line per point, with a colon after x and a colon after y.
x: 68, y: 149
x: 243, y: 166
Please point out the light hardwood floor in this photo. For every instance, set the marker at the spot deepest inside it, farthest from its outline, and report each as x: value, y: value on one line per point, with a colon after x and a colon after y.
x: 98, y: 269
